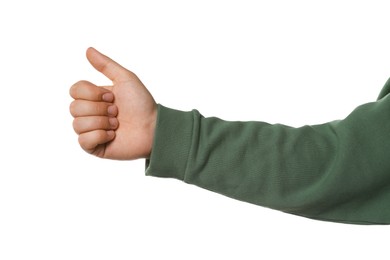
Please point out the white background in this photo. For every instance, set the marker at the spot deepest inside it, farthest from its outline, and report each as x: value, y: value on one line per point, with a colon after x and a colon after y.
x: 292, y: 62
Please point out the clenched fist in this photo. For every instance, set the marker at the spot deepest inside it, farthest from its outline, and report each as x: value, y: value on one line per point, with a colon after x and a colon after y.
x: 113, y: 122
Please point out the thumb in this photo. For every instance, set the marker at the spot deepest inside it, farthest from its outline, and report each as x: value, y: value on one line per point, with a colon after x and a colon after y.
x: 107, y: 66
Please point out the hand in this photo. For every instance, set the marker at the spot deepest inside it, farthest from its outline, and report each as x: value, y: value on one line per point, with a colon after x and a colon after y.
x: 114, y: 122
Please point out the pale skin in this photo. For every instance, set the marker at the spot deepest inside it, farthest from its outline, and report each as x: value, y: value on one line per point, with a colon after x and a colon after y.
x: 117, y: 121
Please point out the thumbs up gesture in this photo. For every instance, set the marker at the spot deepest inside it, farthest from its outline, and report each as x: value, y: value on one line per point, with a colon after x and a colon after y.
x: 113, y: 122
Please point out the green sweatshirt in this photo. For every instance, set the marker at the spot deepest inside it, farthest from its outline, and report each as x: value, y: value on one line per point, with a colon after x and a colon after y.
x: 338, y: 171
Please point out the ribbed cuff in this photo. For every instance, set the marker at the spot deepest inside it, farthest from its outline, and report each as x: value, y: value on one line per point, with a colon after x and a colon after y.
x: 171, y: 145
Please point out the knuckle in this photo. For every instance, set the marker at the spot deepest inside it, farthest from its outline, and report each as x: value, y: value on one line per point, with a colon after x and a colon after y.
x: 73, y: 108
x: 82, y: 141
x: 82, y: 83
x: 87, y: 141
x: 130, y: 74
x: 77, y: 125
x: 90, y: 140
x: 74, y: 89
x: 81, y: 89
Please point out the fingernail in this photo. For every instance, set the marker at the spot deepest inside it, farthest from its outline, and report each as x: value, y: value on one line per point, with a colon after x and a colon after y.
x: 108, y: 97
x: 111, y: 133
x: 113, y: 122
x: 111, y: 110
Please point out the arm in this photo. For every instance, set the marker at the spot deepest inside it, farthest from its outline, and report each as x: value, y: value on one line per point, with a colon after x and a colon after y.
x: 339, y: 171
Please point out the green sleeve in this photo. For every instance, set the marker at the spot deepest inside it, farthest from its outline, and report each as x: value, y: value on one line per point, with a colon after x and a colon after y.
x: 338, y: 171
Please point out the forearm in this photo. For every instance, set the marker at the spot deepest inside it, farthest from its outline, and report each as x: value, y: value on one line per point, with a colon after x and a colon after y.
x: 337, y: 171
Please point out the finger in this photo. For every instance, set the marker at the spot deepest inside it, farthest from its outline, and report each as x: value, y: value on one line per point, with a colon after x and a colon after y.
x: 90, y: 140
x: 107, y: 66
x: 80, y: 108
x: 88, y: 91
x: 91, y: 123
